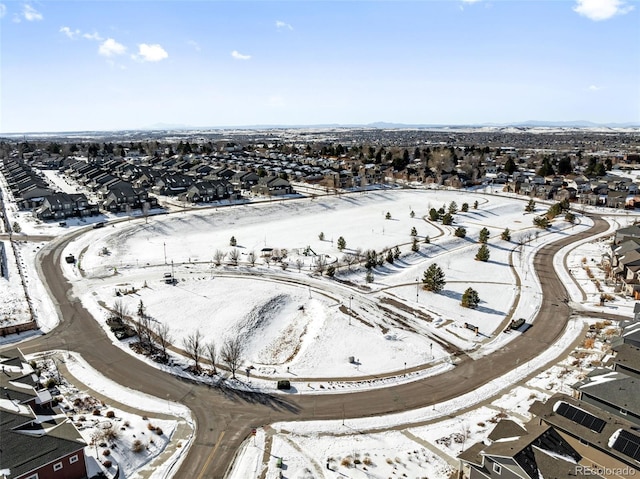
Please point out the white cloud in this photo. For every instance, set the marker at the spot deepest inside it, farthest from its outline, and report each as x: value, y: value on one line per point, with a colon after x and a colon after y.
x: 70, y: 33
x: 594, y: 88
x: 92, y: 36
x: 280, y: 25
x: 151, y: 53
x: 3, y: 10
x: 239, y: 56
x: 31, y: 14
x: 110, y: 48
x: 470, y: 1
x: 194, y: 44
x: 597, y: 10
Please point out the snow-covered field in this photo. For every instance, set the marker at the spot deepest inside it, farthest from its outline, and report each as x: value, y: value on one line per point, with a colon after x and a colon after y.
x: 298, y: 322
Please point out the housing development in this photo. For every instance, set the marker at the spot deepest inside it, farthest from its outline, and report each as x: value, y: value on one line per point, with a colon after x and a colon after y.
x: 321, y: 302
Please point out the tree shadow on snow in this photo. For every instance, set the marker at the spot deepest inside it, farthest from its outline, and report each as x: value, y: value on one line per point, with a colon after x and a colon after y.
x: 458, y: 297
x: 256, y: 397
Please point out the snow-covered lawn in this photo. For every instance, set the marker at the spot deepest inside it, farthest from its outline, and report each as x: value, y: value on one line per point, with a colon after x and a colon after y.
x: 294, y: 321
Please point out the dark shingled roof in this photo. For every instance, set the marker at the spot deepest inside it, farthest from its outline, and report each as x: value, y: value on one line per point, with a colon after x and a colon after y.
x: 506, y: 428
x: 23, y: 450
x: 628, y: 358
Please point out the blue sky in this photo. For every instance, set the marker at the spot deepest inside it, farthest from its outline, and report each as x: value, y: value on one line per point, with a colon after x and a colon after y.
x: 91, y: 65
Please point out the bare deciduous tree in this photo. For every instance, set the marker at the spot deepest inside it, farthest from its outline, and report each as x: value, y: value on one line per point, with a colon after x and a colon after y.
x: 299, y: 264
x: 234, y: 256
x: 145, y: 211
x: 232, y: 354
x: 119, y: 312
x: 212, y: 355
x: 218, y: 257
x: 321, y: 263
x: 193, y: 346
x: 142, y: 325
x: 163, y: 338
x: 251, y: 258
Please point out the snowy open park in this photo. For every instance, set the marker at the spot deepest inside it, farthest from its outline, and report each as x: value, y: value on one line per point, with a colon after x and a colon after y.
x: 332, y: 334
x: 268, y: 290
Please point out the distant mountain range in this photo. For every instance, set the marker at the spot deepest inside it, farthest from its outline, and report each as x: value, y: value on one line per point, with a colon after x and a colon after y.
x: 390, y: 125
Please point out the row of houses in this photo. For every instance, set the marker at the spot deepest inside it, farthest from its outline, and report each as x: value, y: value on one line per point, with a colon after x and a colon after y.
x: 623, y: 260
x: 612, y: 191
x: 120, y: 186
x: 37, y: 439
x: 592, y: 434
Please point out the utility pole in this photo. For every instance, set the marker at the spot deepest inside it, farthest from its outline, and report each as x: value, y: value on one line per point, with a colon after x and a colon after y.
x: 165, y: 252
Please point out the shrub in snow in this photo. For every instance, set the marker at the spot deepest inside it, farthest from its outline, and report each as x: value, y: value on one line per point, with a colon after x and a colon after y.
x: 137, y: 446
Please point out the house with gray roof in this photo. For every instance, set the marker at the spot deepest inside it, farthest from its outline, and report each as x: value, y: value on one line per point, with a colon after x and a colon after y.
x: 626, y: 359
x: 37, y: 440
x: 599, y: 437
x: 611, y: 391
x: 623, y: 234
x: 515, y: 452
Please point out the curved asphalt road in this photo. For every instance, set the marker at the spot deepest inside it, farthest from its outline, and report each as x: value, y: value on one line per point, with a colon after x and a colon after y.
x: 224, y: 417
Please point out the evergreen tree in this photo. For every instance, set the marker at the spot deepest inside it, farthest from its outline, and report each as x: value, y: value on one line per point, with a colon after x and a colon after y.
x: 434, y: 215
x: 531, y: 206
x: 342, y: 244
x: 427, y: 239
x: 232, y: 241
x: 433, y: 279
x: 546, y: 169
x: 460, y: 232
x: 475, y: 205
x: 470, y: 298
x: 447, y: 219
x: 388, y: 216
x: 414, y: 231
x: 390, y: 257
x: 506, y: 235
x: 412, y: 214
x: 510, y: 166
x: 414, y: 245
x: 484, y: 235
x: 396, y: 252
x: 453, y: 208
x: 465, y: 207
x: 483, y: 253
x: 541, y: 222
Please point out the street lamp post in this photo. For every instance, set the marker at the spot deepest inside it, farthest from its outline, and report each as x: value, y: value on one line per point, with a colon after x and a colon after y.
x: 350, y: 309
x: 165, y: 252
x: 417, y: 289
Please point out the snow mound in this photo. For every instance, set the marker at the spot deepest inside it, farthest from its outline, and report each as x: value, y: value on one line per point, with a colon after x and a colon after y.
x: 274, y: 329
